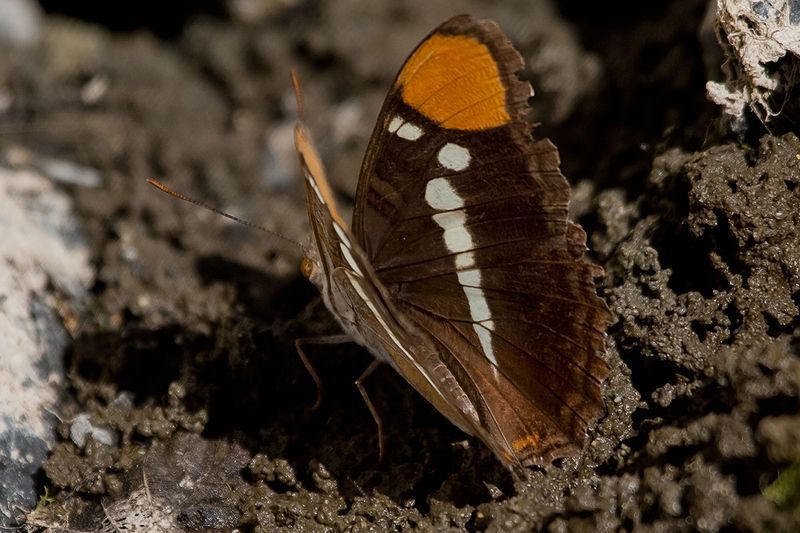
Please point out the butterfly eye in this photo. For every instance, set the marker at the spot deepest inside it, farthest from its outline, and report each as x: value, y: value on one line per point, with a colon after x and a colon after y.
x: 307, y: 267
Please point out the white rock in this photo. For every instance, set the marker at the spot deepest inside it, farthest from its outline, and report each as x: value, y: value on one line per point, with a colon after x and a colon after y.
x: 82, y: 428
x: 41, y: 248
x: 20, y: 22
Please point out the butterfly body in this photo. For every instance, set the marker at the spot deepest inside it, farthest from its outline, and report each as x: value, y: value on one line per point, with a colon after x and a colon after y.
x: 359, y: 303
x: 461, y: 270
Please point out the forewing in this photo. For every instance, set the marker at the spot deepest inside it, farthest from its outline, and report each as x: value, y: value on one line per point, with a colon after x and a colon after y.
x: 463, y: 216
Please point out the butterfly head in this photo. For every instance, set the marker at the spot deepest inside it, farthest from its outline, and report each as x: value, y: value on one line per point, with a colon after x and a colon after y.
x: 307, y: 267
x: 311, y: 268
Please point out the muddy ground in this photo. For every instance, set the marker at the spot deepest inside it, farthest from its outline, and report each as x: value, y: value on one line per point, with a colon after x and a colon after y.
x: 185, y: 347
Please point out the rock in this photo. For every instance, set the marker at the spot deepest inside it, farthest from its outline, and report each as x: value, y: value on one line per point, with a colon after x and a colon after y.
x: 55, y: 169
x: 781, y: 437
x: 82, y: 428
x: 42, y: 255
x: 20, y: 22
x: 186, y: 483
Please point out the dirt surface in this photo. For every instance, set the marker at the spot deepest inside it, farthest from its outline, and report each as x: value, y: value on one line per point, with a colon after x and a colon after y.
x: 186, y: 352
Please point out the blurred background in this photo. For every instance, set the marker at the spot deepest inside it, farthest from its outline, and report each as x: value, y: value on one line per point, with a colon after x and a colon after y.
x: 148, y: 344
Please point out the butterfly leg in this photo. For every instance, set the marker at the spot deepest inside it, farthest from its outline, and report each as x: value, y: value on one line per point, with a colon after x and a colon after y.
x: 360, y: 384
x: 328, y: 339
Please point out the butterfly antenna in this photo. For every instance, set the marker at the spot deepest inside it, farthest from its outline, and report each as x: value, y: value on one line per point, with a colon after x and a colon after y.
x: 163, y: 188
x: 298, y: 95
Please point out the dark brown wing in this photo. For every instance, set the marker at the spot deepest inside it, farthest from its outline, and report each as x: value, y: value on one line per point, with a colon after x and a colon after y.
x: 464, y: 219
x: 360, y: 304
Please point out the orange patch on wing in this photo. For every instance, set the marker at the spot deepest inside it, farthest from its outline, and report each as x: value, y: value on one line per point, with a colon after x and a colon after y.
x: 524, y: 442
x: 454, y: 81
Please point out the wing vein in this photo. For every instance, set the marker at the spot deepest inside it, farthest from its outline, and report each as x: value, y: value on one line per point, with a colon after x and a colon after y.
x: 561, y: 354
x: 431, y: 259
x: 507, y: 377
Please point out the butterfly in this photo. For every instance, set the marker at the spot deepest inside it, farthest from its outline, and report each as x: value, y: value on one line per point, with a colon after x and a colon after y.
x: 460, y: 268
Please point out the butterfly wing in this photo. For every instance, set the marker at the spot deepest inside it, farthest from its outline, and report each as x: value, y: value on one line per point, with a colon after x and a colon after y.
x: 361, y: 305
x: 463, y: 217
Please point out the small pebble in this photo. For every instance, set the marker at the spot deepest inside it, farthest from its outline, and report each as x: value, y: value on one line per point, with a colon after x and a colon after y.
x: 82, y: 427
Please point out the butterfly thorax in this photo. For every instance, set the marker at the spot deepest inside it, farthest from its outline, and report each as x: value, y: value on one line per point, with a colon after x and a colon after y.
x: 339, y: 301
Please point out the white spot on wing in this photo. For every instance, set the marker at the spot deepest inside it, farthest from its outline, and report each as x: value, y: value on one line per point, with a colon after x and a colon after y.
x: 465, y: 260
x: 356, y: 283
x: 395, y: 123
x: 440, y: 194
x: 458, y: 239
x: 350, y: 259
x: 342, y: 235
x: 450, y: 219
x: 453, y: 156
x: 485, y: 338
x: 360, y: 290
x: 314, y: 186
x: 470, y: 278
x: 478, y: 306
x: 409, y: 132
x: 346, y: 247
